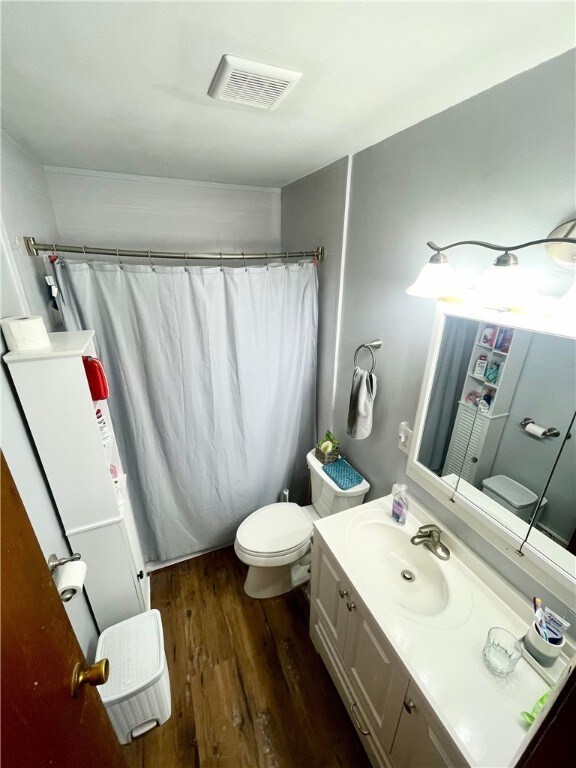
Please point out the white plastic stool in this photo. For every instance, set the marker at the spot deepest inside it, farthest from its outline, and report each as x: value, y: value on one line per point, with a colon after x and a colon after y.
x: 137, y: 694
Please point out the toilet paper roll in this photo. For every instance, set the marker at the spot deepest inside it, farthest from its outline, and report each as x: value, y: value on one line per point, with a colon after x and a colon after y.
x: 25, y: 334
x: 534, y: 429
x: 70, y: 579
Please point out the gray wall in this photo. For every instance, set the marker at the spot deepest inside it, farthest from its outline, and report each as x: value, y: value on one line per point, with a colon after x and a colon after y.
x: 119, y: 210
x: 498, y: 167
x: 26, y: 209
x: 546, y: 392
x: 313, y: 213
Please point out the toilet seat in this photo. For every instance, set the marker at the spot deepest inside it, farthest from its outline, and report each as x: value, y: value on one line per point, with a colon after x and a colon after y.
x: 274, y: 531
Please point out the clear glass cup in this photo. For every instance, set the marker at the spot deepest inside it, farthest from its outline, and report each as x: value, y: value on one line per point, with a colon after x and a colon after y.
x: 502, y: 651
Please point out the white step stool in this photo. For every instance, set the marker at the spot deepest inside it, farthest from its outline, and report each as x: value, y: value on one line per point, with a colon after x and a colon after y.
x: 137, y: 694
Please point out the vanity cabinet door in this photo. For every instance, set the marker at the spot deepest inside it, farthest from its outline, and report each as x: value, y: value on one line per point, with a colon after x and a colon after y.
x: 377, y: 675
x: 330, y: 595
x: 421, y: 740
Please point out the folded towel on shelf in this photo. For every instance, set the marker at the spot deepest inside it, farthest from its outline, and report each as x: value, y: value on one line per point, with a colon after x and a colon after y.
x: 362, y: 397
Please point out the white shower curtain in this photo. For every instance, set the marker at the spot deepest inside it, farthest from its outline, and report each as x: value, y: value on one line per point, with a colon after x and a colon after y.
x: 212, y: 389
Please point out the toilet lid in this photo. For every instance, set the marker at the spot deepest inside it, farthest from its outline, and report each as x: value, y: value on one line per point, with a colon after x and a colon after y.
x: 518, y: 496
x: 274, y: 528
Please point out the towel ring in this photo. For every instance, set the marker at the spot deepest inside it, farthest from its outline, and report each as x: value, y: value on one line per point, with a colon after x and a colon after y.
x: 369, y: 348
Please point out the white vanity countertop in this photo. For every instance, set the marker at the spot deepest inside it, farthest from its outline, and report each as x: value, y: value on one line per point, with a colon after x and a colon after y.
x: 480, y: 710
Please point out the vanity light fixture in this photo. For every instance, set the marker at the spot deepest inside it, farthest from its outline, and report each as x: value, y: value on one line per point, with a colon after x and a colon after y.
x: 437, y: 278
x: 504, y: 280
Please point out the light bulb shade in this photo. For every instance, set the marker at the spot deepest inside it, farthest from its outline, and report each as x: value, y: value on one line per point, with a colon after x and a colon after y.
x: 505, y: 287
x: 436, y: 280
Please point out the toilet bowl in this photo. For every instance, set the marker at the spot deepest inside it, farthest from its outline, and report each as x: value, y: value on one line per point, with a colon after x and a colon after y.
x: 274, y: 541
x: 512, y: 496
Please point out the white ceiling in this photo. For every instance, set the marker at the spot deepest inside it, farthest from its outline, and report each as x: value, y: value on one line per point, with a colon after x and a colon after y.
x: 123, y: 86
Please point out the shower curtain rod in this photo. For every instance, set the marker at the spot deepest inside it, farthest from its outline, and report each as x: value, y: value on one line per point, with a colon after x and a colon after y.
x: 35, y: 248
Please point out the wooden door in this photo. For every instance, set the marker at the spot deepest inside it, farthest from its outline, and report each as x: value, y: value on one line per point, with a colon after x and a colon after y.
x: 42, y: 725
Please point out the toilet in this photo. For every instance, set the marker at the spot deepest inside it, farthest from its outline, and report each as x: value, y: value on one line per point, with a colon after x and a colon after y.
x: 512, y: 496
x: 274, y: 541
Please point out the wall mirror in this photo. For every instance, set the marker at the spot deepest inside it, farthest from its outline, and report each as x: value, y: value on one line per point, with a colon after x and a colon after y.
x: 491, y: 436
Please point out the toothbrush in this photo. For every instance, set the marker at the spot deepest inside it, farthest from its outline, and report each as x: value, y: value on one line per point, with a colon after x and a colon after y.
x: 539, y: 616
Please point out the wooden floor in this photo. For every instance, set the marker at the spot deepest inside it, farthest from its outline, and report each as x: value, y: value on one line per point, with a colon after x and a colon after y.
x: 248, y: 689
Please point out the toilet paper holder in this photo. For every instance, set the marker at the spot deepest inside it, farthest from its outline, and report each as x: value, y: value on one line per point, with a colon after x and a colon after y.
x: 548, y: 432
x: 55, y: 562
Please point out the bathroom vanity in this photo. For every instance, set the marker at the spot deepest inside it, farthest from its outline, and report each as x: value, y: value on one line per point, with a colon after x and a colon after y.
x: 401, y: 633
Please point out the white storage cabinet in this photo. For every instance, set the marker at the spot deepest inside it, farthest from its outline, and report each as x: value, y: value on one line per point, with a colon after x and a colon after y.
x: 77, y: 455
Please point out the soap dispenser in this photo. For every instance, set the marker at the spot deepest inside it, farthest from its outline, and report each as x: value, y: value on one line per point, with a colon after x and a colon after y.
x: 400, y: 504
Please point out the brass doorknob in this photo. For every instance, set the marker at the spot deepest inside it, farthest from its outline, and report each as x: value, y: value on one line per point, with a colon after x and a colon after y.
x: 96, y: 674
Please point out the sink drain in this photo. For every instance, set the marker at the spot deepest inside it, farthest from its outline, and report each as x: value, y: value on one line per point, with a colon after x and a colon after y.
x: 407, y: 575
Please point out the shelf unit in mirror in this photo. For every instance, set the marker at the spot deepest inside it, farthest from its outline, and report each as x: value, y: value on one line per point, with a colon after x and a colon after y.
x: 493, y: 370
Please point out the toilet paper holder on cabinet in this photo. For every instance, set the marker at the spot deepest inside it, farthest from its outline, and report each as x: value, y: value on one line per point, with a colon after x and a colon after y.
x: 55, y: 562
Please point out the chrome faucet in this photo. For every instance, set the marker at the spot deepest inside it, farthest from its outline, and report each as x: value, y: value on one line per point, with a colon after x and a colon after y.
x: 430, y: 535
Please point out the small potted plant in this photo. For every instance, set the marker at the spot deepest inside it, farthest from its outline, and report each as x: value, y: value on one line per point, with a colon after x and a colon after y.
x: 328, y: 449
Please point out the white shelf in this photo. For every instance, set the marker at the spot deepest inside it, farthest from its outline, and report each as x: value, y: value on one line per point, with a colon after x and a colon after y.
x: 62, y: 344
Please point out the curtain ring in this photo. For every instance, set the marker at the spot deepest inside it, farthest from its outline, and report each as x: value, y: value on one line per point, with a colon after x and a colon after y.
x: 152, y: 267
x: 244, y: 262
x: 286, y: 254
x: 266, y: 261
x: 303, y: 257
x: 221, y: 267
x: 54, y: 257
x: 186, y: 260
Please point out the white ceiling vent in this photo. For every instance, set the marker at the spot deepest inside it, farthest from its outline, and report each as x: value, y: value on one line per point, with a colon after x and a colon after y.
x: 249, y: 82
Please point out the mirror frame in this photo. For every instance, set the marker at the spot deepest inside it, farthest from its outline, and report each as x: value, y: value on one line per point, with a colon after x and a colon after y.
x: 546, y: 562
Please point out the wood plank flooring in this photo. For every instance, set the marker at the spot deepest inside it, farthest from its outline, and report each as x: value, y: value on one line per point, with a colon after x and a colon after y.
x: 248, y: 688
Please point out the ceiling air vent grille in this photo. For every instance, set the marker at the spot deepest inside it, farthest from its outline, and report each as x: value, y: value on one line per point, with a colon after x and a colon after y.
x: 249, y: 82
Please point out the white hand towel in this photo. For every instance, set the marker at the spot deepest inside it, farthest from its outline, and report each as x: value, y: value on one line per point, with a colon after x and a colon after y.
x: 362, y: 397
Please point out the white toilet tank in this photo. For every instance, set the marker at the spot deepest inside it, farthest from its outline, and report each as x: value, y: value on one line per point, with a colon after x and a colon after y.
x: 327, y: 497
x: 512, y: 496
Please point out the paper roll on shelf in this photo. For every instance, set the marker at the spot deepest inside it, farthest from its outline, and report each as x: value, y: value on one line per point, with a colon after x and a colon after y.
x: 70, y: 579
x: 25, y: 334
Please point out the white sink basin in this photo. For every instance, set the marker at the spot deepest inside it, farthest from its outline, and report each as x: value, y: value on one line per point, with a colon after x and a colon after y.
x: 416, y: 582
x: 411, y: 575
